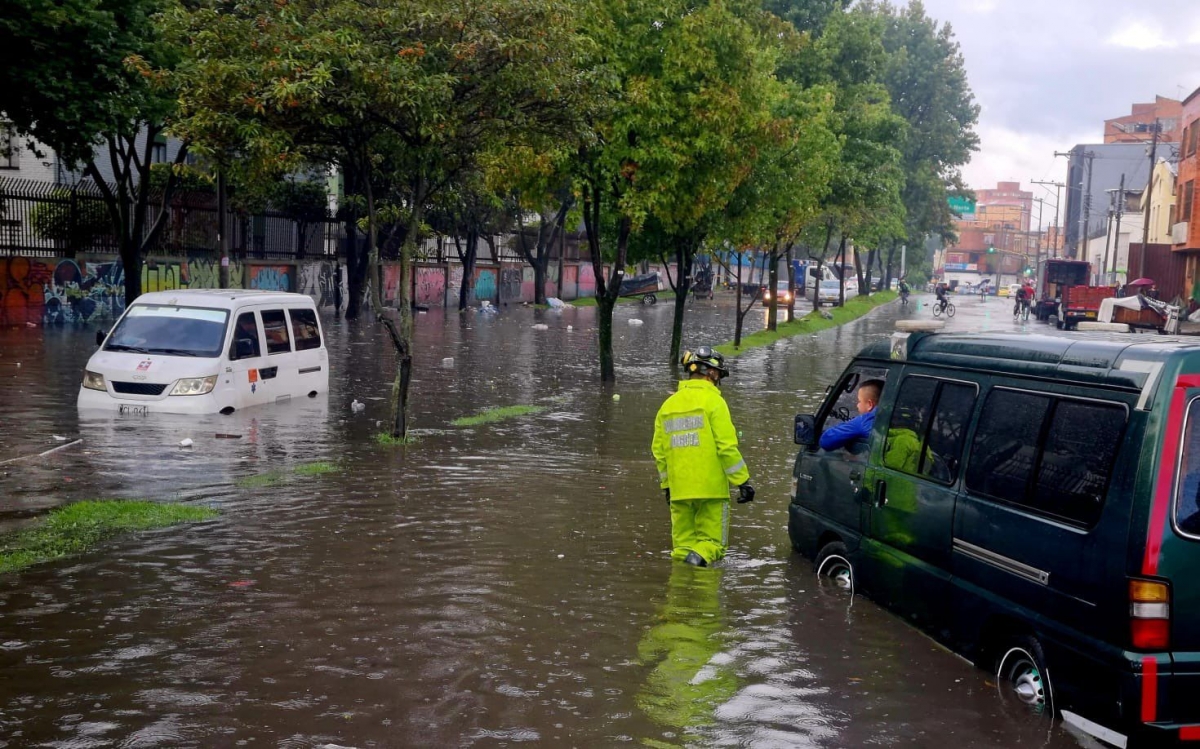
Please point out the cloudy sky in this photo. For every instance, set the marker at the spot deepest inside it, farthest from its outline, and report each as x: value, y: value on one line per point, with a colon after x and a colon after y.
x: 1047, y: 73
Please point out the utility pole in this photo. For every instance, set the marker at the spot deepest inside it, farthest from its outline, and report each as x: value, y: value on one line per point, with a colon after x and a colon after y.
x: 1085, y: 218
x: 1117, y: 237
x: 222, y: 237
x: 1058, y: 186
x: 1149, y: 189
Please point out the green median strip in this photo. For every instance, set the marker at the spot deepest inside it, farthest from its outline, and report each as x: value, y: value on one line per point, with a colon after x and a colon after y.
x: 811, y: 323
x: 500, y: 413
x: 271, y: 478
x: 79, y: 527
x: 387, y: 440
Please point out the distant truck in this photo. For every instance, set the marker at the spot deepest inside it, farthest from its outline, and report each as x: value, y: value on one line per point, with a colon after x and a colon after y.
x: 1065, y: 295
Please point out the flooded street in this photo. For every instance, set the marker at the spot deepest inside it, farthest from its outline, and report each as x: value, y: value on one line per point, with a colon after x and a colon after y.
x: 487, y: 586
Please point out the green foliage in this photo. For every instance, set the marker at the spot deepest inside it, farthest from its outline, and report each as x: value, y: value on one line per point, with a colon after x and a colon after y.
x: 79, y: 527
x: 388, y: 440
x: 316, y: 469
x: 498, y: 413
x: 262, y: 480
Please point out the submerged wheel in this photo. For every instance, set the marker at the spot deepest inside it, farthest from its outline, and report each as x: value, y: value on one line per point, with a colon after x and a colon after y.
x: 833, y: 562
x: 649, y: 299
x: 949, y: 310
x: 1022, y: 678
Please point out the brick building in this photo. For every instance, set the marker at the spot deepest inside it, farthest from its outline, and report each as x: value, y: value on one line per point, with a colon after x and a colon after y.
x: 1137, y: 126
x: 1185, y: 233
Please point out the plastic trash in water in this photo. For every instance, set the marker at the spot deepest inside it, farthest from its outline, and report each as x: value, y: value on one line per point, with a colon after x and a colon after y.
x: 448, y: 362
x: 186, y: 442
x: 555, y: 303
x: 357, y: 407
x: 541, y: 326
x: 570, y: 327
x: 635, y: 321
x: 616, y: 396
x: 58, y: 439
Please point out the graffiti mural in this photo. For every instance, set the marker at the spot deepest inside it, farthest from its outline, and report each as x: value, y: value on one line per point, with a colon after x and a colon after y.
x: 510, y: 284
x: 320, y: 281
x: 21, y: 289
x: 570, y: 287
x: 391, y: 284
x: 270, y: 277
x: 485, y: 284
x: 454, y: 286
x: 430, y: 286
x: 587, y: 281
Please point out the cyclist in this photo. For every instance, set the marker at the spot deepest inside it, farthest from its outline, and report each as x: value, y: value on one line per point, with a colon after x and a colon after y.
x: 942, y: 301
x: 903, y: 287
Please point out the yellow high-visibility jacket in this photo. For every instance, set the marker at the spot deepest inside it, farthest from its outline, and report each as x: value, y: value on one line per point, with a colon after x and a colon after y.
x: 695, y: 445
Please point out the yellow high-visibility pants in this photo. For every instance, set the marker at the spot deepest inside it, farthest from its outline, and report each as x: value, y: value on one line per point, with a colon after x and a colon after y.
x: 699, y: 525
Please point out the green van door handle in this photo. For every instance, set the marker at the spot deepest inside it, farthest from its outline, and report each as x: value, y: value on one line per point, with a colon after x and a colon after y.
x: 881, y: 493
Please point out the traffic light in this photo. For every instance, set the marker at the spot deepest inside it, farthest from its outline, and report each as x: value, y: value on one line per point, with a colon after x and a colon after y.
x: 991, y: 250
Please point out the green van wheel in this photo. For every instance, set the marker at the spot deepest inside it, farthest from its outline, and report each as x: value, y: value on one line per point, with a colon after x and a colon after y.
x: 1022, y: 677
x: 833, y: 562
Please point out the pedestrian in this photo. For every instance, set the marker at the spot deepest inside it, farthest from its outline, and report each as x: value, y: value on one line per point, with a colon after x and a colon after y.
x: 1153, y: 292
x: 696, y: 450
x: 860, y: 426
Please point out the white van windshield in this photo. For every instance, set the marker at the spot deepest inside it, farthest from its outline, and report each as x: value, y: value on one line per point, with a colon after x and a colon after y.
x: 170, y: 330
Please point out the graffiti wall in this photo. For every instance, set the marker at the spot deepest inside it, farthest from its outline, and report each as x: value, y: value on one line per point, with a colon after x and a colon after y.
x: 510, y: 284
x: 570, y: 286
x: 430, y: 286
x: 454, y: 285
x: 270, y: 277
x: 485, y: 284
x: 586, y: 286
x: 391, y: 283
x: 320, y: 281
x: 53, y: 291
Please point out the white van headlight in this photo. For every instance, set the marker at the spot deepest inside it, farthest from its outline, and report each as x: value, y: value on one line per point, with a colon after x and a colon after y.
x: 195, y: 386
x: 93, y: 380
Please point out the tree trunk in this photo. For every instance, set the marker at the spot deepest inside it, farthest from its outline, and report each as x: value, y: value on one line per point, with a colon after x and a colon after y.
x: 737, y: 325
x: 791, y: 275
x: 858, y: 272
x: 872, y: 259
x: 685, y: 254
x: 772, y: 289
x: 403, y: 340
x: 131, y: 262
x: 842, y: 271
x: 467, y: 257
x: 891, y: 259
x: 608, y: 370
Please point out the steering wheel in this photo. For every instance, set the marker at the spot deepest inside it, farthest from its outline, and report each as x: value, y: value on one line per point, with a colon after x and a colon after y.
x: 842, y: 413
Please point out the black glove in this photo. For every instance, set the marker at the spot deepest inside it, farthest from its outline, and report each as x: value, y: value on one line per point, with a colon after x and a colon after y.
x: 667, y: 494
x: 745, y: 493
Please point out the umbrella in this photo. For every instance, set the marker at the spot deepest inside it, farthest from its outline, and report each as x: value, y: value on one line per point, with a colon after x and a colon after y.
x: 1141, y: 282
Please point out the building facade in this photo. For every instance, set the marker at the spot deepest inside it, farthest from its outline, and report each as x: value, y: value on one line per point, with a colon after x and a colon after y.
x: 1094, y: 172
x: 1185, y: 232
x: 1138, y: 125
x: 1161, y: 199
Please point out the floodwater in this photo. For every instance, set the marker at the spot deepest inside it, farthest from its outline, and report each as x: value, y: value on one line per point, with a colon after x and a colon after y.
x: 488, y: 586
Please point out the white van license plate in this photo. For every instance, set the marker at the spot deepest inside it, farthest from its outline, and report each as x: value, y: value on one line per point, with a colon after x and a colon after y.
x: 133, y: 410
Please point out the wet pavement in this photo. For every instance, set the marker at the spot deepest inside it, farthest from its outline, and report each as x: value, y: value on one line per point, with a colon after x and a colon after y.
x: 486, y: 586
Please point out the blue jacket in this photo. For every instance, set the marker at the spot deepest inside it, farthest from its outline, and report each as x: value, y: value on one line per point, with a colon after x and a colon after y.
x: 843, y: 434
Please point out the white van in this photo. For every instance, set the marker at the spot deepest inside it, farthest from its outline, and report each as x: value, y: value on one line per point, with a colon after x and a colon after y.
x: 211, y: 351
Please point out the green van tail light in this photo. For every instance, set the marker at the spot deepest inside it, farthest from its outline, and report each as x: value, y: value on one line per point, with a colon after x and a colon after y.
x: 1149, y: 614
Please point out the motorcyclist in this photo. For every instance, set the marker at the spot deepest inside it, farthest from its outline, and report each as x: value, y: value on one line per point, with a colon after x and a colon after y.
x: 696, y: 450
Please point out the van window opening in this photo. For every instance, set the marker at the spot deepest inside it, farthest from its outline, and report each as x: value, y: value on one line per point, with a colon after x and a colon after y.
x: 305, y: 329
x: 1052, y: 456
x: 846, y: 406
x: 276, y: 330
x: 926, y: 434
x: 170, y: 331
x: 1187, y: 492
x: 245, y: 338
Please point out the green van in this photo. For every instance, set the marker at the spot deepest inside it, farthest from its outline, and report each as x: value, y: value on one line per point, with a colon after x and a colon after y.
x: 1034, y: 503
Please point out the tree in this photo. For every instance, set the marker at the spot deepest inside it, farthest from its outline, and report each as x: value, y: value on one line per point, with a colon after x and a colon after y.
x: 926, y: 77
x: 414, y: 90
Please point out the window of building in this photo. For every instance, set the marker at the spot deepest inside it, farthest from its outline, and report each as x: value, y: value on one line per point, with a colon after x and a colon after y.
x: 10, y: 147
x: 276, y: 329
x: 1185, y: 207
x: 158, y: 152
x: 305, y: 328
x: 245, y: 338
x: 1195, y: 128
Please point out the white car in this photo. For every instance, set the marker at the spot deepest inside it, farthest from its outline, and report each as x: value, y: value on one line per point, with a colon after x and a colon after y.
x: 211, y: 351
x: 830, y: 291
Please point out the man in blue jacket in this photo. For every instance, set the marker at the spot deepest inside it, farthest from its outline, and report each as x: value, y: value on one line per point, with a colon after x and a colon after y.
x: 860, y: 426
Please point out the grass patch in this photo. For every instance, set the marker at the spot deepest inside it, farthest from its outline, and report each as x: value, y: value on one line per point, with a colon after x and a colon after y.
x: 499, y: 413
x: 76, y: 528
x: 271, y: 478
x: 590, y: 301
x: 811, y: 323
x: 315, y: 469
x: 387, y: 440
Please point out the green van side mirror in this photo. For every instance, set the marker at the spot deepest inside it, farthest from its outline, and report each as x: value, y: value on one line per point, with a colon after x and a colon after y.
x: 805, y: 430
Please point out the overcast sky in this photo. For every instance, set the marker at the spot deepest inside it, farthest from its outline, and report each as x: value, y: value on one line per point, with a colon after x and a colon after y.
x: 1047, y: 73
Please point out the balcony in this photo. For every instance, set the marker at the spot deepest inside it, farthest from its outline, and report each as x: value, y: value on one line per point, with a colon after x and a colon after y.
x: 1179, y: 233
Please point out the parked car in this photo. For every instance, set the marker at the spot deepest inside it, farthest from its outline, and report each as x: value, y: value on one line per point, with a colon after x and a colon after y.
x: 830, y: 292
x: 199, y: 352
x: 1033, y: 502
x: 783, y: 292
x: 1010, y: 290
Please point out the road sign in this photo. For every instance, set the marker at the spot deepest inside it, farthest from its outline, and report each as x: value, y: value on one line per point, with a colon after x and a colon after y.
x: 962, y: 206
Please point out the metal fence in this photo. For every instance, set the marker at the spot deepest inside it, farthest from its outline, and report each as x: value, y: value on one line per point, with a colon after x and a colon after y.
x: 42, y: 219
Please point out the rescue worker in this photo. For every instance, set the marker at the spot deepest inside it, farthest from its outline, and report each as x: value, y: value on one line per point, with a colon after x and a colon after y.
x: 696, y: 449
